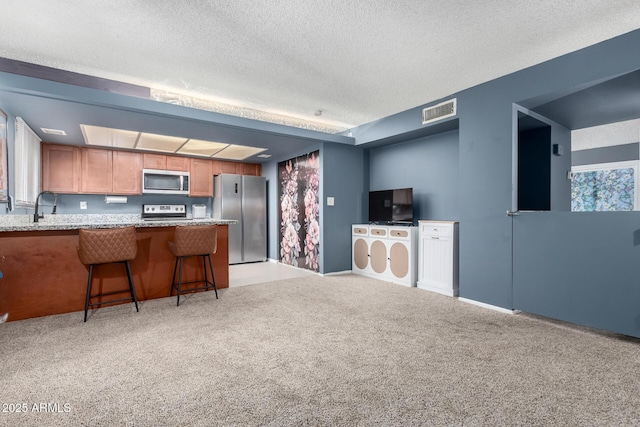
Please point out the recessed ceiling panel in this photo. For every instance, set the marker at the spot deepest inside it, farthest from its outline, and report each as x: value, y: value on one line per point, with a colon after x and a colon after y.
x: 108, y: 137
x: 198, y: 147
x: 164, y: 143
x: 238, y: 152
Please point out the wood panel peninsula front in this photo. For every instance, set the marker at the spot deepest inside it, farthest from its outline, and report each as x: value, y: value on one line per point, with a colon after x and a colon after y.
x: 43, y: 274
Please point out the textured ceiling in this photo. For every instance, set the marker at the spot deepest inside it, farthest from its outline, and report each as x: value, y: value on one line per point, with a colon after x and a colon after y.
x: 356, y: 61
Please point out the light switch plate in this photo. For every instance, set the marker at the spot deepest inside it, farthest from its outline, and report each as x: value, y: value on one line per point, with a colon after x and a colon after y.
x: 330, y: 201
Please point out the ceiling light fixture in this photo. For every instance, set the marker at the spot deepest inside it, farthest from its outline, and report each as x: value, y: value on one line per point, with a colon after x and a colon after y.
x: 109, y: 137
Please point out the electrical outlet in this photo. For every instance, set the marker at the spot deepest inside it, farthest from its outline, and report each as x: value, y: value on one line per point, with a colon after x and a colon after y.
x: 331, y: 201
x: 83, y: 205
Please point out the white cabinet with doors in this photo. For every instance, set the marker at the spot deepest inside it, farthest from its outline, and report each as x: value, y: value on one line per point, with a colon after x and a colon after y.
x: 385, y: 252
x: 438, y: 257
x: 360, y: 249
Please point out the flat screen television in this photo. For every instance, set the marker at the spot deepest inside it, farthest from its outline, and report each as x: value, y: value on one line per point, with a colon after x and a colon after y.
x: 391, y: 206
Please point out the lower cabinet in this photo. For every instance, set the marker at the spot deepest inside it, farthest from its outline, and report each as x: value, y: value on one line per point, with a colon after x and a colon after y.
x: 385, y: 252
x: 438, y: 257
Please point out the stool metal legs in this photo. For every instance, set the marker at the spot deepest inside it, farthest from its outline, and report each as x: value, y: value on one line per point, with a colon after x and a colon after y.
x: 132, y: 290
x: 208, y: 284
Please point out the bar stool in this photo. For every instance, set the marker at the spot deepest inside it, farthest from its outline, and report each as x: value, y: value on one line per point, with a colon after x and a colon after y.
x: 194, y: 240
x: 106, y: 246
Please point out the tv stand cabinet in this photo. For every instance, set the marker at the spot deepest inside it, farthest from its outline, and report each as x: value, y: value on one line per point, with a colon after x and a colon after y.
x: 385, y: 252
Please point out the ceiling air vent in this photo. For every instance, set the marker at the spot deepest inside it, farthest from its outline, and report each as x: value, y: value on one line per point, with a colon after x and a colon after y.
x: 53, y: 131
x: 438, y: 112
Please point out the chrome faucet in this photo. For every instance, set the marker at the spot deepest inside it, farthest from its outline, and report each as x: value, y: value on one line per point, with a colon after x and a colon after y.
x: 37, y: 216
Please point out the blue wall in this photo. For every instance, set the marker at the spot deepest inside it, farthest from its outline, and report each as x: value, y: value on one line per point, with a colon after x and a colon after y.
x: 343, y: 179
x: 70, y: 203
x: 616, y: 153
x: 486, y: 138
x: 430, y: 165
x: 590, y: 278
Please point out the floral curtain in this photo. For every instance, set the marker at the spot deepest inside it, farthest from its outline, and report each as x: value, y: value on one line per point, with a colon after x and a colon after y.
x: 299, y: 212
x: 603, y: 190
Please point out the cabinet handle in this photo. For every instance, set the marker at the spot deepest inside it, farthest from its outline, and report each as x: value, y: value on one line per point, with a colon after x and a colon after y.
x: 435, y: 238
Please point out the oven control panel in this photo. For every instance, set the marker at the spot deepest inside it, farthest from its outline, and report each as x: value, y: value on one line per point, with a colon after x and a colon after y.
x: 164, y: 211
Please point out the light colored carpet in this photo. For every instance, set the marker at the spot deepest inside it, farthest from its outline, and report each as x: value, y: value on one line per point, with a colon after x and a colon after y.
x: 340, y: 350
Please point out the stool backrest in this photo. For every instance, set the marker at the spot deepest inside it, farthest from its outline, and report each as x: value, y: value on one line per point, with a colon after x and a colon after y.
x: 196, y: 240
x: 102, y: 246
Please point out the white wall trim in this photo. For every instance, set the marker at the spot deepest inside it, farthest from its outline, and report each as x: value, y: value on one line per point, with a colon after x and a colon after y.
x: 489, y: 306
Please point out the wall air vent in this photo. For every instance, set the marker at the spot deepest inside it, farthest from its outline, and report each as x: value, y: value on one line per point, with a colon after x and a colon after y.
x: 53, y: 131
x: 438, y: 112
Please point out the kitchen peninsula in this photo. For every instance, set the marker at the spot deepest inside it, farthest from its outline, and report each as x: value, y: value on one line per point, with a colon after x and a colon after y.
x: 43, y: 274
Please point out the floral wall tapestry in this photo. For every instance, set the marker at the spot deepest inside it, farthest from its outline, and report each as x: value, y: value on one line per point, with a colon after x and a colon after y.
x: 603, y: 190
x: 299, y: 211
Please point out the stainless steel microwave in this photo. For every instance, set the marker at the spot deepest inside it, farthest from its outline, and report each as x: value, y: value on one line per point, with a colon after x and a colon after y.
x: 156, y: 181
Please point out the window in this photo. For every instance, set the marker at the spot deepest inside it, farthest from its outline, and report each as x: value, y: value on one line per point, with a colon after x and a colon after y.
x: 26, y: 165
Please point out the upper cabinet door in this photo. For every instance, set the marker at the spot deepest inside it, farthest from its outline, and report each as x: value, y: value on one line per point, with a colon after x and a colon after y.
x: 230, y: 167
x: 201, y: 177
x: 96, y: 172
x: 127, y: 173
x: 166, y: 162
x: 155, y: 161
x: 252, y: 169
x: 177, y: 163
x: 60, y: 168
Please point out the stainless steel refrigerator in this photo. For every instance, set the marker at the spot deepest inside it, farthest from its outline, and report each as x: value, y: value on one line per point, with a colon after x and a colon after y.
x: 243, y: 198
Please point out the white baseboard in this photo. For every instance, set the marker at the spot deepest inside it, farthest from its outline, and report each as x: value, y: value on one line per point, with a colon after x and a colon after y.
x: 448, y: 292
x: 489, y: 306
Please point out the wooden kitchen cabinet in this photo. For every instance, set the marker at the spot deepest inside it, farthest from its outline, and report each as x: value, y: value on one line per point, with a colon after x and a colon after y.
x: 96, y: 175
x: 110, y: 172
x: 201, y: 177
x: 177, y: 163
x: 165, y: 162
x: 82, y: 170
x: 154, y: 161
x: 127, y: 173
x: 252, y: 169
x: 230, y: 167
x: 60, y: 168
x: 224, y: 166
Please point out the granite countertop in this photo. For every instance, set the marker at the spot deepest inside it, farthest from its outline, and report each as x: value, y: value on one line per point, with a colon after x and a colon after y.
x: 74, y: 222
